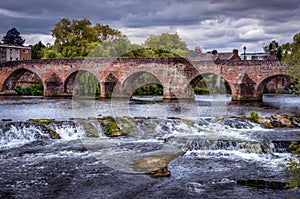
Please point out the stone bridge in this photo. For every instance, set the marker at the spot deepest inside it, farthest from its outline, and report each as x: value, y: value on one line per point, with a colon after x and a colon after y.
x: 117, y: 76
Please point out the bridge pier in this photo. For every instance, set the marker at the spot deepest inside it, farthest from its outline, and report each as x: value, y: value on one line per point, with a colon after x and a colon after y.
x: 246, y: 98
x: 178, y: 93
x: 245, y: 89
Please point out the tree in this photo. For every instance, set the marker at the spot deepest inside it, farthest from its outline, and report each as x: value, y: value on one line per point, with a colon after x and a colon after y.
x: 167, y: 42
x: 116, y: 47
x: 13, y: 37
x: 78, y: 38
x: 164, y: 45
x: 291, y: 54
x: 37, y: 50
x: 293, y: 165
x: 273, y: 45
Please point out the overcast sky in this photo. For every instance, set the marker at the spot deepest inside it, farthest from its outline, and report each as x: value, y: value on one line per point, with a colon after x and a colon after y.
x: 210, y: 24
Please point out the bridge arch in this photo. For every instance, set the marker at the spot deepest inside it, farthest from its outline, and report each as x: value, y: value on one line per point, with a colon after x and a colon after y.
x: 214, y: 83
x: 85, y: 83
x: 138, y: 79
x: 284, y: 84
x: 13, y: 78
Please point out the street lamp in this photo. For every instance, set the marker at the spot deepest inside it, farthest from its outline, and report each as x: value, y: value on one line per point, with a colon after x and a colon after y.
x: 244, y: 52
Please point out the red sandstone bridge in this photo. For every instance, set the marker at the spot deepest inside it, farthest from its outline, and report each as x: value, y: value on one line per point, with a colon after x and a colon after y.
x: 116, y: 76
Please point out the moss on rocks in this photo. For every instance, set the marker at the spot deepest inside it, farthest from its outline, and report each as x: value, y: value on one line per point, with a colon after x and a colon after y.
x: 54, y: 135
x: 162, y: 172
x: 112, y: 129
x: 90, y: 130
x: 127, y: 125
x: 43, y: 124
x: 42, y: 121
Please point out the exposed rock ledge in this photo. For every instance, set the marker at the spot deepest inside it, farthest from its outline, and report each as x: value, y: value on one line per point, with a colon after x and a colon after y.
x: 155, y: 165
x: 274, y: 121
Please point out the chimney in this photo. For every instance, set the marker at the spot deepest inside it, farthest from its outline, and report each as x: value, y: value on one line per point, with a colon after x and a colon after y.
x: 235, y: 52
x: 198, y: 50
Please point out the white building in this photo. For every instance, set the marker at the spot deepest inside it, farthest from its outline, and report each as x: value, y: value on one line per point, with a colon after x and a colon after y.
x: 255, y: 56
x: 14, y: 53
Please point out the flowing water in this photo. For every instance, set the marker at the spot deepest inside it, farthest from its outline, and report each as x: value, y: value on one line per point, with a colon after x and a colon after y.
x: 206, y: 157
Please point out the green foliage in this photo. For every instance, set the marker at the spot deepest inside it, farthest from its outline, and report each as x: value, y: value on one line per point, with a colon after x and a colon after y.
x: 150, y: 53
x: 254, y: 116
x: 78, y: 38
x: 87, y: 86
x: 113, y: 48
x: 293, y: 165
x: 111, y: 129
x: 149, y: 90
x: 211, y: 84
x: 37, y: 50
x: 13, y: 37
x: 168, y: 42
x: 201, y: 90
x: 291, y: 54
x: 49, y: 53
x: 34, y: 90
x: 147, y: 84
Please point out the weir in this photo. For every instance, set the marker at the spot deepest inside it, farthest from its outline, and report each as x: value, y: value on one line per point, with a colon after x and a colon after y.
x: 198, y: 157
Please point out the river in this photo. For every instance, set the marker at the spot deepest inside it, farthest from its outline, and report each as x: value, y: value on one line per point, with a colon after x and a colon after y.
x: 206, y: 157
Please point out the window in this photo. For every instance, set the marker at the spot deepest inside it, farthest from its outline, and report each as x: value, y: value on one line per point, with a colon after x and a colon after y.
x: 25, y: 50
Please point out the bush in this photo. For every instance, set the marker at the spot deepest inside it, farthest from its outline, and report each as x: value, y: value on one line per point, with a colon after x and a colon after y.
x: 34, y: 90
x: 148, y: 90
x: 201, y: 90
x: 293, y: 165
x: 254, y: 116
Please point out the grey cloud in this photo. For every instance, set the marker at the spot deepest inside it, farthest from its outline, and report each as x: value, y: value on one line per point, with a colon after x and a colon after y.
x: 272, y: 15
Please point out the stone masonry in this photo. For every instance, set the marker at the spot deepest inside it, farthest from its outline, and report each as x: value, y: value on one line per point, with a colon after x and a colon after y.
x: 245, y: 78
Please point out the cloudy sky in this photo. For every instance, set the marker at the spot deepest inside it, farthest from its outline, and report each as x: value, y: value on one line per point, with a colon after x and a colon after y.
x: 210, y: 24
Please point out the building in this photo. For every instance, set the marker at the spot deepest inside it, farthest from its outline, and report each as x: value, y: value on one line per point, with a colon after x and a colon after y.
x: 254, y: 56
x: 213, y: 55
x: 14, y: 53
x: 218, y: 56
x: 270, y: 56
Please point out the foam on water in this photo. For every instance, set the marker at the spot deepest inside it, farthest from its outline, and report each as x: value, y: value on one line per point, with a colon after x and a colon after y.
x: 275, y: 160
x: 69, y: 132
x: 17, y: 135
